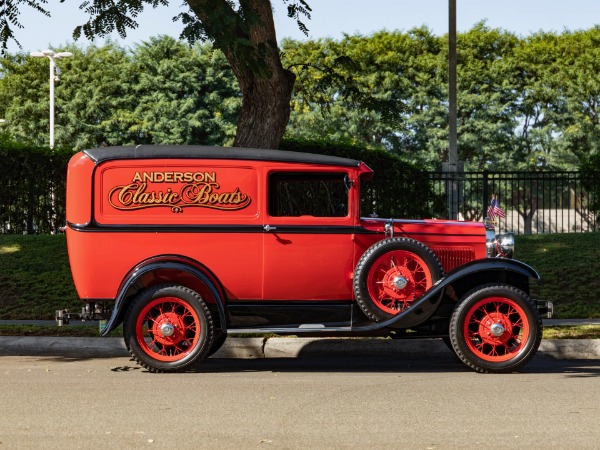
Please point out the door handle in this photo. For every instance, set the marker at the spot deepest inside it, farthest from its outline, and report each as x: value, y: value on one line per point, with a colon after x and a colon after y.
x: 268, y: 228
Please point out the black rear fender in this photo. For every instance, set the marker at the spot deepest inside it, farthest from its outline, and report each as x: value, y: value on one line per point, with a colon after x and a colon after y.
x: 169, y: 269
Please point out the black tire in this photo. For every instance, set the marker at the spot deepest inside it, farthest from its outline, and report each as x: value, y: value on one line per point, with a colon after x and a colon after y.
x: 218, y: 341
x: 381, y: 299
x: 168, y: 328
x: 495, y: 328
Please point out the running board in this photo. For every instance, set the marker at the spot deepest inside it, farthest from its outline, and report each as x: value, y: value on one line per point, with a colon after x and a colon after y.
x: 320, y: 328
x: 290, y: 330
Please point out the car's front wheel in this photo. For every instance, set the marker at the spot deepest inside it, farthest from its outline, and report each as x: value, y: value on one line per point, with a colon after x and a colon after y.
x: 168, y: 328
x: 496, y: 328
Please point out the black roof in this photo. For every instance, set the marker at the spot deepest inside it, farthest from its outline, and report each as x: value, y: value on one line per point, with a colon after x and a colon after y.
x: 101, y: 154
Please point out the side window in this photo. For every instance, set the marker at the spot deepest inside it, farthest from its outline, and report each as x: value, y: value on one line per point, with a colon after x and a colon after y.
x: 317, y: 194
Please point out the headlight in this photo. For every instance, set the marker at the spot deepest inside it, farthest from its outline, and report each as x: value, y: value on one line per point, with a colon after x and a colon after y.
x: 505, y: 245
x: 500, y: 245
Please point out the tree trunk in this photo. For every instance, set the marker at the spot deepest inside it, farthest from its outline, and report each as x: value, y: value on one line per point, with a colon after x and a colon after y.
x: 265, y: 109
x: 248, y: 40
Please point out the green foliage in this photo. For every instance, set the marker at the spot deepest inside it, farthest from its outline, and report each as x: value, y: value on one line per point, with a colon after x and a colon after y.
x: 161, y: 92
x: 398, y: 75
x: 32, y: 198
x: 185, y: 95
x: 523, y: 103
x: 568, y: 265
x: 24, y: 98
x: 398, y: 189
x: 578, y: 84
x: 35, y: 279
x: 94, y: 97
x: 106, y: 17
x: 572, y: 332
x: 590, y: 178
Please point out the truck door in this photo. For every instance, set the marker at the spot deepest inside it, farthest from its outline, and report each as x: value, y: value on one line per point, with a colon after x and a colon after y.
x: 309, y: 235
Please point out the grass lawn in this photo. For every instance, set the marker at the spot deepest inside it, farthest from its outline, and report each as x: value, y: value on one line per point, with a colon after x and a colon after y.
x: 569, y: 265
x: 35, y: 278
x: 554, y: 332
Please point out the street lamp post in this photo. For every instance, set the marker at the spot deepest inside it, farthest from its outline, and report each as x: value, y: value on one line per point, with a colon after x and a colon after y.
x: 51, y: 56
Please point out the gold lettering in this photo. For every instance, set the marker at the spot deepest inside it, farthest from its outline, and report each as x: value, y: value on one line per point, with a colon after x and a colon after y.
x: 201, y: 190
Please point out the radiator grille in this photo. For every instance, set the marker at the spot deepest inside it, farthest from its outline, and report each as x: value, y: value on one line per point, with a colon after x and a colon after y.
x: 452, y: 257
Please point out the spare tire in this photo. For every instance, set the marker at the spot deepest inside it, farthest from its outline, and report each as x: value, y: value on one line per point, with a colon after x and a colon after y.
x: 392, y: 274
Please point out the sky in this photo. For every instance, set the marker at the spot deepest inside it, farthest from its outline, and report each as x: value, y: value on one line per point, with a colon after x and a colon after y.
x: 330, y: 18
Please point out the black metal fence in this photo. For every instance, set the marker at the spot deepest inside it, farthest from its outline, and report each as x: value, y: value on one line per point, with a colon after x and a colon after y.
x: 32, y: 190
x: 533, y: 202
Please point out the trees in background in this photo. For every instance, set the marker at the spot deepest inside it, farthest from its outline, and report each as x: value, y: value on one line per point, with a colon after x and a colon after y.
x: 523, y: 103
x: 184, y: 96
x: 160, y: 92
x: 244, y: 31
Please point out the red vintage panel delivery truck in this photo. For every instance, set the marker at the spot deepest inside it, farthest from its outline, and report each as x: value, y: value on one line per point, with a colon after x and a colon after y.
x: 184, y: 245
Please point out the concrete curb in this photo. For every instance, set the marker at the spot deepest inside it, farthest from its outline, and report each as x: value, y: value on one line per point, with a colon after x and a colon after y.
x: 250, y: 348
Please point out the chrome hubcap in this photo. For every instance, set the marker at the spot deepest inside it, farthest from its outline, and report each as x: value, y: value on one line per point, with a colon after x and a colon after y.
x: 400, y: 282
x: 497, y: 329
x: 167, y: 329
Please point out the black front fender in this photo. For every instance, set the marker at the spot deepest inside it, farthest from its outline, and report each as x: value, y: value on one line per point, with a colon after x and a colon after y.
x: 481, y: 265
x: 468, y: 274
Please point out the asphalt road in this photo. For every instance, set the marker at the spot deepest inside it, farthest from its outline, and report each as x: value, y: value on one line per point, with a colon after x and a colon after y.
x: 349, y: 402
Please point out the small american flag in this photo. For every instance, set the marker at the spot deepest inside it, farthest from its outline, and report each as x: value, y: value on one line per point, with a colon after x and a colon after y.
x: 495, y: 210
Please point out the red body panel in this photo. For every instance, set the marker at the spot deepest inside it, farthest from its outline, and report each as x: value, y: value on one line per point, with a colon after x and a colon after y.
x: 122, y: 212
x: 101, y: 260
x: 79, y: 191
x: 455, y: 243
x: 166, y: 192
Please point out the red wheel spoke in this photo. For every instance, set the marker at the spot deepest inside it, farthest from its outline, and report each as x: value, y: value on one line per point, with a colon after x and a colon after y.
x: 172, y: 330
x: 396, y: 279
x: 496, y: 328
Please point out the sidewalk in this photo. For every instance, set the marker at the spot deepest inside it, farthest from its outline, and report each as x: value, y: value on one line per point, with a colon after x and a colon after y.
x: 90, y: 347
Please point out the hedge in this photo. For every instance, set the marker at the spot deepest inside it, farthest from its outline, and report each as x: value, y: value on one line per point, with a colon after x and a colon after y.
x: 32, y: 193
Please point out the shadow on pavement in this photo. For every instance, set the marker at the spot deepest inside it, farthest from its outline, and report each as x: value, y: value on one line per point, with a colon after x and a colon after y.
x: 448, y: 364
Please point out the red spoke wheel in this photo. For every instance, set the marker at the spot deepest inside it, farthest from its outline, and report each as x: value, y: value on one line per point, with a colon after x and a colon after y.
x: 496, y: 328
x: 396, y: 279
x: 392, y: 274
x: 168, y: 328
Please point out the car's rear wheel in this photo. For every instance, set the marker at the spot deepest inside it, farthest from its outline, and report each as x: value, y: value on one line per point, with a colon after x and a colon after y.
x: 496, y: 328
x: 168, y: 328
x: 392, y: 274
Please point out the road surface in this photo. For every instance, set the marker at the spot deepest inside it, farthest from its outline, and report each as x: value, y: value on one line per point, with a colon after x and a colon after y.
x: 433, y: 403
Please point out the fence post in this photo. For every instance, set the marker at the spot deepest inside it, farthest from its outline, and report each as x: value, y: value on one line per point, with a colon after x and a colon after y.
x: 485, y: 193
